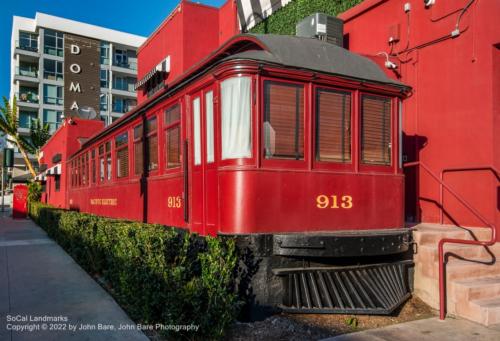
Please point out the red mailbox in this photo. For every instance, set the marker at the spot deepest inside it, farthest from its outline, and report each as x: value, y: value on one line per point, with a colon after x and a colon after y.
x: 20, y: 202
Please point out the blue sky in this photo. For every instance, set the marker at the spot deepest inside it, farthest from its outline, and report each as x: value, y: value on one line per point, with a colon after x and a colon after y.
x: 139, y: 17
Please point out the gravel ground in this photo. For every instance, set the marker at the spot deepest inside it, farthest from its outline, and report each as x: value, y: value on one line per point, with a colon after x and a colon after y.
x: 298, y: 327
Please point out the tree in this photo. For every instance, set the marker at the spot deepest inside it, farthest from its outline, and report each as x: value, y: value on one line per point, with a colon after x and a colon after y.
x: 9, y: 124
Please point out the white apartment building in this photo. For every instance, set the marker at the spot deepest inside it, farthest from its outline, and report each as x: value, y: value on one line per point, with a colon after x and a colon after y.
x: 46, y: 70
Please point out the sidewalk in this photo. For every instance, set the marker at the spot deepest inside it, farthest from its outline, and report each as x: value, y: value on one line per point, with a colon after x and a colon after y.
x: 39, y: 281
x: 426, y: 330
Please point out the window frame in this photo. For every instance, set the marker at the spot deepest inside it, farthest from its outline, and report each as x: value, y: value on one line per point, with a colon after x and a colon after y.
x: 165, y: 128
x: 147, y: 136
x: 254, y: 120
x: 117, y: 149
x: 364, y: 167
x: 286, y: 163
x: 332, y: 165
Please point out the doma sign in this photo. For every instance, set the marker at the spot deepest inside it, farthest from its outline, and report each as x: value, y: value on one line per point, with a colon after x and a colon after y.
x: 81, y: 75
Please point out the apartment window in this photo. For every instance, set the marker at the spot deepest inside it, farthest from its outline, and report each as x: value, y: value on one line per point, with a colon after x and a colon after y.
x: 53, y: 94
x: 108, y: 161
x: 104, y: 53
x: 121, y: 152
x: 284, y: 120
x: 138, y: 154
x: 103, y: 102
x: 173, y: 136
x: 236, y: 118
x: 104, y: 78
x: 27, y: 69
x: 53, y: 118
x: 375, y: 130
x: 152, y: 143
x: 333, y: 125
x: 53, y: 43
x: 27, y: 94
x: 52, y: 69
x: 121, y: 58
x: 26, y: 118
x: 101, y: 163
x: 123, y: 105
x: 28, y: 41
x: 124, y: 83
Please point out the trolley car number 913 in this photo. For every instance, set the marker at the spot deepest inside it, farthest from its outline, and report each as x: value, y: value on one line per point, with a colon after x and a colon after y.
x: 334, y: 201
x: 174, y: 202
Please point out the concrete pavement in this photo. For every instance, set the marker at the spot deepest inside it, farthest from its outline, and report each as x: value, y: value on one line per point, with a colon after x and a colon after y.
x: 42, y: 288
x: 426, y: 330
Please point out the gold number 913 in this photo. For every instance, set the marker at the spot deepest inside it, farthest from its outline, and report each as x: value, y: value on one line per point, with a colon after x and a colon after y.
x: 174, y: 202
x: 332, y: 201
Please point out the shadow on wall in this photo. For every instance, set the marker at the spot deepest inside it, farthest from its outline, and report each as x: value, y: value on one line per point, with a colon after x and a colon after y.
x: 412, y: 145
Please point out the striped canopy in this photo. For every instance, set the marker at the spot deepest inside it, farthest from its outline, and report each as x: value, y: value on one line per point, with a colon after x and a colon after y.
x: 251, y: 12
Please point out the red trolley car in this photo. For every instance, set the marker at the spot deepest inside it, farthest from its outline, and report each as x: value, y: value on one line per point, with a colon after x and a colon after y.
x: 291, y: 145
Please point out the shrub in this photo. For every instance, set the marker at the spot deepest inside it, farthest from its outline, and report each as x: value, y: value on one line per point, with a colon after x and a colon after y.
x: 158, y: 274
x: 34, y: 191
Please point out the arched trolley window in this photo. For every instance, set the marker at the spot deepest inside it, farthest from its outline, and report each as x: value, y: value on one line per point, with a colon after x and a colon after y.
x: 236, y: 129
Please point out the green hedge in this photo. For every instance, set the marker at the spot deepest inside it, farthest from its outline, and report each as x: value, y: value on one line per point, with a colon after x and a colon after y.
x: 158, y: 274
x: 285, y: 19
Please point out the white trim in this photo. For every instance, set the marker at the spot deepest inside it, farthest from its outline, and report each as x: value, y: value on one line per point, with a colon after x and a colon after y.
x: 87, y: 30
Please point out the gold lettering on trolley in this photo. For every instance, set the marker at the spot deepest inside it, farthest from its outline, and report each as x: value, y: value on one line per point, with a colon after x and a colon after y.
x: 174, y: 202
x: 334, y: 201
x: 104, y: 202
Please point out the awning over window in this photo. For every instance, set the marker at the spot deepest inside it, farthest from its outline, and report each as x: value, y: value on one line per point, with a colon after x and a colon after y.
x: 251, y: 12
x: 162, y: 68
x: 55, y: 170
x: 41, y: 177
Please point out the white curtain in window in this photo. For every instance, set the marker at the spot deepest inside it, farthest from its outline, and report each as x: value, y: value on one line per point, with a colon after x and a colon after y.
x: 209, y: 116
x: 197, y: 131
x: 236, y: 120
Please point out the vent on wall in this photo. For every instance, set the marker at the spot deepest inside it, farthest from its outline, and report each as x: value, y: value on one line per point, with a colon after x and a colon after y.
x: 323, y: 27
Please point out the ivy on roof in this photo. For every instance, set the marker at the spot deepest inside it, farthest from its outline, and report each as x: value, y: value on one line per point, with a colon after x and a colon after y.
x: 285, y: 19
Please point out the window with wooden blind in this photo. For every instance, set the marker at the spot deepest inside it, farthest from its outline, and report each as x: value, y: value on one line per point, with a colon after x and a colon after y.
x: 375, y: 130
x: 109, y: 168
x: 94, y: 173
x: 152, y: 143
x: 138, y: 154
x: 333, y: 126
x: 101, y: 163
x: 83, y: 168
x: 173, y: 136
x: 121, y: 152
x: 284, y: 120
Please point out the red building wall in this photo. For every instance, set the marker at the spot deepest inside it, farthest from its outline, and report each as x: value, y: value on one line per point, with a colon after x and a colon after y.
x: 190, y: 33
x: 452, y: 117
x: 65, y: 141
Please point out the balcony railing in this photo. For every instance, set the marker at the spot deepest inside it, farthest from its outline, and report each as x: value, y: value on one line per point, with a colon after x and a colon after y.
x: 53, y: 100
x: 127, y: 65
x: 122, y: 109
x: 28, y: 45
x: 52, y: 75
x: 27, y: 72
x: 27, y: 97
x: 128, y: 87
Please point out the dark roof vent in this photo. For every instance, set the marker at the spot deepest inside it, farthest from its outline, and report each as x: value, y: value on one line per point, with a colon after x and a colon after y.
x: 323, y: 27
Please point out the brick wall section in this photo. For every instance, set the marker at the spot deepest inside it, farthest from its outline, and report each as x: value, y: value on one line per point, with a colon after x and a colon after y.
x: 89, y: 61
